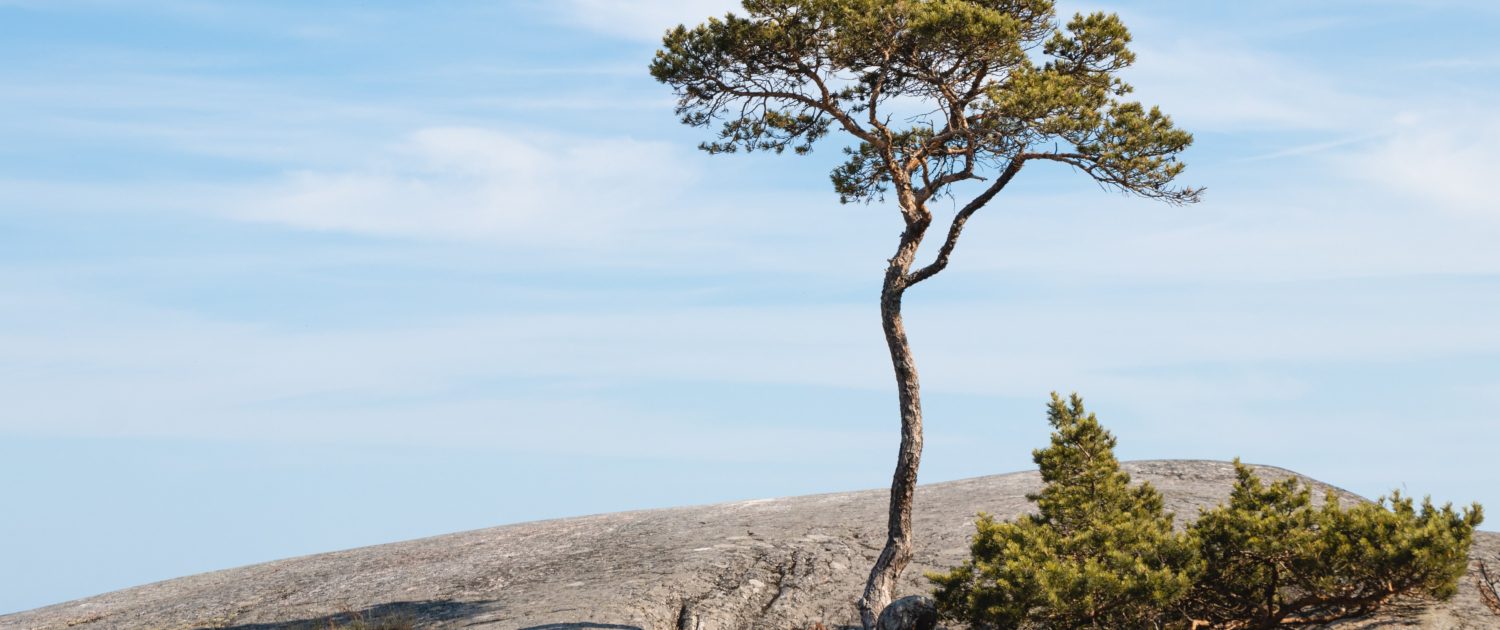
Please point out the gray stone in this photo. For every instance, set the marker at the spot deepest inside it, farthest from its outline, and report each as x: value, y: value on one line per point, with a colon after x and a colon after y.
x: 913, y: 612
x: 693, y: 567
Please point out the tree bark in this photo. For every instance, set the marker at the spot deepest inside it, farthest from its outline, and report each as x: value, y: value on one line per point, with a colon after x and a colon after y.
x: 880, y: 589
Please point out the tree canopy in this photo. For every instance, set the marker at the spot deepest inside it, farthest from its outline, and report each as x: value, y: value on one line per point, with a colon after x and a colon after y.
x: 934, y: 92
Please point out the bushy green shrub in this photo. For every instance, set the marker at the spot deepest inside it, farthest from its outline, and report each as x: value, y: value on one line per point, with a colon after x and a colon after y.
x: 1099, y: 552
x: 1102, y: 553
x: 1274, y: 560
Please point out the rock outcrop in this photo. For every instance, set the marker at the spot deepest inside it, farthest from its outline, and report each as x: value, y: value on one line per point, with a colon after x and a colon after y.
x: 913, y: 612
x: 776, y: 564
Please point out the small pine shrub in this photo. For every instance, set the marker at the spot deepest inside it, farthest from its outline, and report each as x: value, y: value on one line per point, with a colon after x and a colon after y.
x: 1274, y: 560
x: 1099, y: 552
x: 1102, y: 553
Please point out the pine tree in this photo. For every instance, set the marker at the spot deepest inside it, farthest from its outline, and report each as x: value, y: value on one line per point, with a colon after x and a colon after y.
x: 931, y: 102
x: 1273, y: 560
x: 1100, y: 552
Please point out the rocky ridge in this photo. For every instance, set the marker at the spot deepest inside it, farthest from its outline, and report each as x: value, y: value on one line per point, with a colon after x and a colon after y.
x: 781, y: 564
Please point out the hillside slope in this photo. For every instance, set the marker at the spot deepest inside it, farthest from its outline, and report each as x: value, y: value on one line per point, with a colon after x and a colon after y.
x: 777, y: 564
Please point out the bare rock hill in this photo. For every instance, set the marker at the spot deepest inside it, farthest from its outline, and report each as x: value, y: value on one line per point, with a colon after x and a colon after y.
x: 778, y: 564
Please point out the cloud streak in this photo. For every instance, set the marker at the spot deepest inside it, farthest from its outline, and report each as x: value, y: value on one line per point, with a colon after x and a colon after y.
x: 549, y: 374
x: 1443, y: 160
x: 473, y: 184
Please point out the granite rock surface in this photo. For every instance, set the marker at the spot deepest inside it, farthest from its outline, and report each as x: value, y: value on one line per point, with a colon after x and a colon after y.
x: 777, y: 564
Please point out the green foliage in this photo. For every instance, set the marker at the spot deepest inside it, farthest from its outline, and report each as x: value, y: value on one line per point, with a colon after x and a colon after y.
x: 1100, y: 553
x: 933, y: 92
x: 1275, y: 560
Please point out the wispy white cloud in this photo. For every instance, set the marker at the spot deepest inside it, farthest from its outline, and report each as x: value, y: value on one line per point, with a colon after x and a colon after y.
x: 487, y: 185
x: 170, y: 373
x: 1312, y: 148
x: 187, y: 114
x: 163, y: 373
x: 1441, y: 160
x: 1217, y: 86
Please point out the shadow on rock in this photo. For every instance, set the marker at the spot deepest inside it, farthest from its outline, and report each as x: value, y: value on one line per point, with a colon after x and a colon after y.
x: 582, y: 625
x: 392, y: 616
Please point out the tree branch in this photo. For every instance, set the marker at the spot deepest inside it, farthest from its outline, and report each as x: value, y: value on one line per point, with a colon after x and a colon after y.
x: 954, y: 229
x: 825, y: 105
x: 828, y: 105
x: 930, y: 187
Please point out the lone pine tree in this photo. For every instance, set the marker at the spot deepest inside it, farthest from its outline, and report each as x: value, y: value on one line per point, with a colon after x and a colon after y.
x: 935, y: 99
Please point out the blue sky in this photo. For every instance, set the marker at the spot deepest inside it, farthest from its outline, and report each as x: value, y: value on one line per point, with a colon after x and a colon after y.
x: 278, y: 278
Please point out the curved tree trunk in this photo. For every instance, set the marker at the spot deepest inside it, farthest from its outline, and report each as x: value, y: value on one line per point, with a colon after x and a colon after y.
x: 880, y: 589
